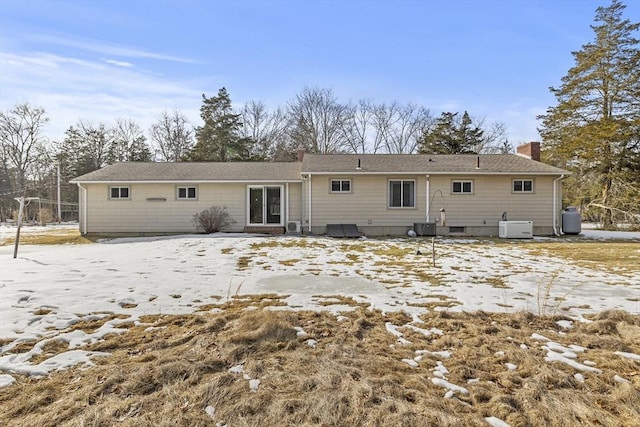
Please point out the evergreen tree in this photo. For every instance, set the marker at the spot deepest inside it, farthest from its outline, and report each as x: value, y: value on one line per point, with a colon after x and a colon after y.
x: 594, y: 128
x: 219, y: 139
x: 452, y: 135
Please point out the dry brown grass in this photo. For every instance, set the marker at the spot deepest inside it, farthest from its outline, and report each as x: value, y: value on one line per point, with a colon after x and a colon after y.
x: 354, y: 376
x: 49, y: 237
x: 616, y: 257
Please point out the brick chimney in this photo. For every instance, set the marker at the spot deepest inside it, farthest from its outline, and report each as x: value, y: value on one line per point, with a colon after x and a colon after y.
x: 300, y: 154
x: 530, y: 150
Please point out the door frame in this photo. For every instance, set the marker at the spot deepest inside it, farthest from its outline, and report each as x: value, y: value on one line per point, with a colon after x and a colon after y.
x: 264, y: 205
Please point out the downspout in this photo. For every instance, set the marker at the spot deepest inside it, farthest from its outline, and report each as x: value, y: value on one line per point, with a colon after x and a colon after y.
x: 286, y: 205
x: 83, y: 201
x: 309, y: 184
x: 555, y: 204
x: 428, y: 207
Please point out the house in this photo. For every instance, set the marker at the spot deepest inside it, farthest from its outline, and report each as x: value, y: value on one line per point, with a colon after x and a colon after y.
x: 383, y: 194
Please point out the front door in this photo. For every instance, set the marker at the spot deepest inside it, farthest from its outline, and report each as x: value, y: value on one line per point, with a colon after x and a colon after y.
x: 265, y: 207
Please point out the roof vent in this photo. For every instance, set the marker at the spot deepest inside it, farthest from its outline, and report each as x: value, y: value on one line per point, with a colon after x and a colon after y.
x: 358, y: 168
x: 478, y: 162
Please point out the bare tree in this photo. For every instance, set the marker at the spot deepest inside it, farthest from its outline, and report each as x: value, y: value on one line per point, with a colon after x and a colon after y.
x: 399, y: 127
x: 268, y: 130
x: 358, y: 127
x: 316, y: 121
x: 128, y: 143
x: 21, y: 136
x: 494, y: 137
x: 172, y: 136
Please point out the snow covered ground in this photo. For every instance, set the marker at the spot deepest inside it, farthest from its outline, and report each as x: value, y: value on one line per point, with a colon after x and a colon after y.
x: 49, y: 288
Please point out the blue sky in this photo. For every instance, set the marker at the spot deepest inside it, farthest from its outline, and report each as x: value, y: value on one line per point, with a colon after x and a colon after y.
x: 102, y: 60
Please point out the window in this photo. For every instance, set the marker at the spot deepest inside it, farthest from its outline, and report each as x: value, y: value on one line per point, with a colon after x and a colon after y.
x: 462, y: 187
x: 341, y: 186
x: 523, y: 186
x: 119, y: 193
x: 187, y: 193
x: 402, y: 194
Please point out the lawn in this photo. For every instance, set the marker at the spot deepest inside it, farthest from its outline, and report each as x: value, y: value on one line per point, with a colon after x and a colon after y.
x: 239, y: 330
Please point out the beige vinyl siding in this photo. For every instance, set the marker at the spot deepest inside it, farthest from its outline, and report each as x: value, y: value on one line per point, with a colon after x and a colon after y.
x: 295, y: 202
x: 492, y: 195
x: 366, y: 204
x: 139, y: 215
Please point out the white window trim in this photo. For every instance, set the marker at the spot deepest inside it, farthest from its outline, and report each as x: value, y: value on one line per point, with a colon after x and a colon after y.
x: 402, y: 181
x: 120, y: 187
x: 523, y: 191
x: 187, y: 187
x: 462, y: 181
x: 341, y: 180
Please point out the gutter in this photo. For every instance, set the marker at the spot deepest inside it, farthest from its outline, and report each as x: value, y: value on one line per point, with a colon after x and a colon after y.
x: 555, y: 204
x: 428, y: 191
x: 83, y: 227
x: 309, y: 184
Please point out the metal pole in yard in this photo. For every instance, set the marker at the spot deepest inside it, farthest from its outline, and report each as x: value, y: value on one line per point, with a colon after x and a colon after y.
x: 433, y: 250
x: 59, y: 208
x: 15, y: 249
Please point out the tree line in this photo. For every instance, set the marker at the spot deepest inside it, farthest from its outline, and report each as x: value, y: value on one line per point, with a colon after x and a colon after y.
x: 314, y: 119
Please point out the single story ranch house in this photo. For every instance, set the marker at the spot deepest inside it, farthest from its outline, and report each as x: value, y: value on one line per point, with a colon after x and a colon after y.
x: 380, y: 194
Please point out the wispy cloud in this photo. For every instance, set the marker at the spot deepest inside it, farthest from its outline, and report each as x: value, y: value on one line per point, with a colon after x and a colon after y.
x: 98, y: 46
x: 119, y: 63
x: 71, y: 89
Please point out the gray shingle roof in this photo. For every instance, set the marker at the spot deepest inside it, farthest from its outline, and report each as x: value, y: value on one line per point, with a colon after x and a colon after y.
x: 426, y: 164
x: 191, y: 171
x: 320, y: 164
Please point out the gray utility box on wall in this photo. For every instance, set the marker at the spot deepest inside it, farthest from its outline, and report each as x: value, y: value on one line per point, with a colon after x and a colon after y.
x: 425, y: 228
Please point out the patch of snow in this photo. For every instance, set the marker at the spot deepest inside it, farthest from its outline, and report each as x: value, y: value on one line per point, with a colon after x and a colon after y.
x: 211, y: 411
x: 6, y: 380
x: 499, y: 353
x: 441, y: 354
x: 511, y: 366
x: 552, y: 356
x: 311, y: 342
x: 253, y: 385
x: 565, y: 324
x: 473, y: 380
x: 539, y: 337
x: 558, y: 348
x: 631, y: 356
x: 411, y: 362
x: 440, y: 370
x: 524, y: 346
x: 391, y: 328
x: 589, y: 363
x: 496, y: 422
x: 449, y: 394
x: 621, y: 380
x: 238, y: 369
x: 449, y: 386
x: 579, y: 377
x: 301, y: 333
x: 18, y: 363
x: 425, y: 332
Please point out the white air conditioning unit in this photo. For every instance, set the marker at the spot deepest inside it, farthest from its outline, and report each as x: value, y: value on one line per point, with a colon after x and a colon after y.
x: 294, y: 227
x: 515, y: 229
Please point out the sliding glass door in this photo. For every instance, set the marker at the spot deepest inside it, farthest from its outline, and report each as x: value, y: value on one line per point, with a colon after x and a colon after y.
x: 265, y: 207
